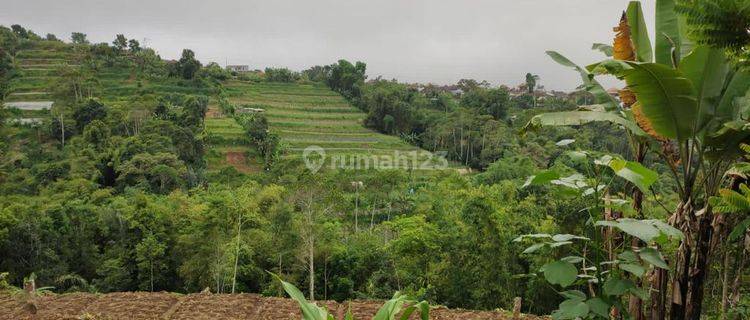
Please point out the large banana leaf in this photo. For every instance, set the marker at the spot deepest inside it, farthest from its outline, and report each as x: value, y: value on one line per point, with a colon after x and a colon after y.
x: 310, y: 311
x: 604, y: 48
x: 639, y: 32
x: 707, y: 69
x: 591, y: 85
x: 391, y: 309
x: 574, y: 118
x: 738, y: 86
x: 667, y: 98
x: 667, y: 33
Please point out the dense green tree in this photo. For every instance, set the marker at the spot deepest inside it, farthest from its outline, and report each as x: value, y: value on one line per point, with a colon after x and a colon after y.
x: 494, y: 102
x: 188, y: 66
x: 281, y: 75
x: 466, y: 85
x: 347, y: 78
x: 531, y: 83
x: 317, y: 73
x: 20, y: 31
x: 78, y: 38
x: 87, y: 112
x: 214, y: 72
x: 120, y: 43
x: 134, y: 45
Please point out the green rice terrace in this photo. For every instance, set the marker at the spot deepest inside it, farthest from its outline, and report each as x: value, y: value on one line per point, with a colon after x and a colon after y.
x: 38, y: 70
x: 41, y: 66
x: 303, y: 115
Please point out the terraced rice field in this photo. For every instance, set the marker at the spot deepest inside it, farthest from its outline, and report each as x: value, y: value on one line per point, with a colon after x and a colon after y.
x: 38, y: 65
x: 306, y: 115
x: 163, y: 305
x: 228, y: 145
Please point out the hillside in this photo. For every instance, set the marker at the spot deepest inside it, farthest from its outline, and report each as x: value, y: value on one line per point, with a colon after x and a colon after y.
x: 163, y: 305
x: 38, y: 71
x: 303, y: 115
x: 41, y: 65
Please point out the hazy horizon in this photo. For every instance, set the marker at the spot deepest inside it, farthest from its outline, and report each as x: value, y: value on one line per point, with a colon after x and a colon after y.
x: 412, y: 41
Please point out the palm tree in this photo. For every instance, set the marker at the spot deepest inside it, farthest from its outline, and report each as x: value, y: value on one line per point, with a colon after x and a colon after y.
x: 531, y: 80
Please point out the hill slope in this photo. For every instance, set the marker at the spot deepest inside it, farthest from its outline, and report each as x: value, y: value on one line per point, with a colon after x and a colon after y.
x: 303, y: 115
x: 306, y: 115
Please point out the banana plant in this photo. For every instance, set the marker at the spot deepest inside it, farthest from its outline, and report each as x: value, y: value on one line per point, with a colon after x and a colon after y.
x: 399, y: 307
x: 606, y: 108
x: 608, y: 275
x: 688, y: 101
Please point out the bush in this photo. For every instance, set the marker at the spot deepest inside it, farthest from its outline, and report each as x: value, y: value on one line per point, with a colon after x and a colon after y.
x: 281, y: 75
x: 214, y: 72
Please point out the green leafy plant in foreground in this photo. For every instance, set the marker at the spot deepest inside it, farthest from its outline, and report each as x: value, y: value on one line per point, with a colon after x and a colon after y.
x: 597, y: 273
x: 399, y: 304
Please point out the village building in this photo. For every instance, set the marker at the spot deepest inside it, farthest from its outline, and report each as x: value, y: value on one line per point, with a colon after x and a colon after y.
x: 238, y: 68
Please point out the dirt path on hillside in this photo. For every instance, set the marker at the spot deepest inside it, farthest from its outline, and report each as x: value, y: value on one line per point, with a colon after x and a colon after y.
x: 164, y: 305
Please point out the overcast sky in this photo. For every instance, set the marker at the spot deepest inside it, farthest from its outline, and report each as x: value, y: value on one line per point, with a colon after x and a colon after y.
x: 436, y: 41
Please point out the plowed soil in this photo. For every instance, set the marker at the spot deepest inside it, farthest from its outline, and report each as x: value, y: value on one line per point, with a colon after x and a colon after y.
x: 200, y: 306
x: 238, y: 161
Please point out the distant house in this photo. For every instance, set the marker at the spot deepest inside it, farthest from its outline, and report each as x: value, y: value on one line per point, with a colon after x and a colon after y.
x: 238, y: 68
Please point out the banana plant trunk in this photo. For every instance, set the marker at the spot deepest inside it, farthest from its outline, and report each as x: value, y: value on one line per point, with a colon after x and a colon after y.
x: 699, y: 268
x: 692, y: 259
x: 659, y: 279
x: 635, y: 304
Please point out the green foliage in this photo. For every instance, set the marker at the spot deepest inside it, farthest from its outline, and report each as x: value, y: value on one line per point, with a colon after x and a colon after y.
x: 667, y: 98
x: 347, y: 78
x: 738, y: 203
x: 281, y: 75
x: 134, y: 45
x: 214, y: 72
x: 589, y: 83
x: 639, y: 32
x: 391, y: 310
x: 88, y: 112
x: 606, y: 49
x: 607, y: 279
x: 720, y: 24
x: 267, y: 142
x: 120, y: 42
x: 317, y: 73
x: 494, y: 102
x: 187, y: 67
x: 575, y: 118
x: 78, y: 38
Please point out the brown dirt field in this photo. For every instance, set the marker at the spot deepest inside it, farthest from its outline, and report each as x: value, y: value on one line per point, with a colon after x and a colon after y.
x: 213, y: 112
x: 238, y: 160
x: 203, y: 306
x: 132, y: 305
